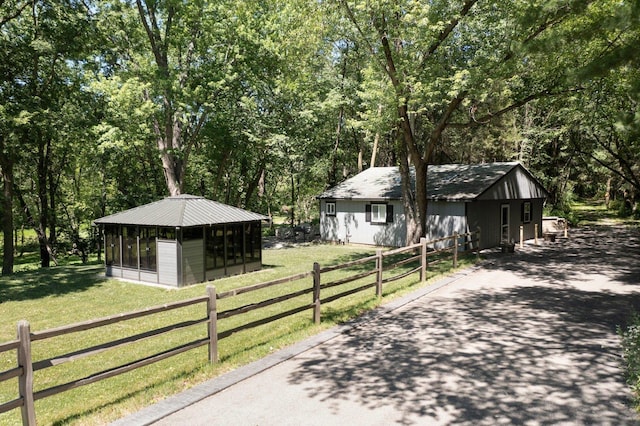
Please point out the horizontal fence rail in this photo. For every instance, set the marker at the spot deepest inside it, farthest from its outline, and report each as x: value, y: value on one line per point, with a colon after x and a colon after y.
x: 422, y: 254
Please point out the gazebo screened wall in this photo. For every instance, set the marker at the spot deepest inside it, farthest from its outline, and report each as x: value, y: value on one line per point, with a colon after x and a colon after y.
x: 182, y: 240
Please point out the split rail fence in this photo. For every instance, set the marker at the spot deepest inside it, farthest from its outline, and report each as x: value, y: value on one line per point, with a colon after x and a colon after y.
x: 24, y: 371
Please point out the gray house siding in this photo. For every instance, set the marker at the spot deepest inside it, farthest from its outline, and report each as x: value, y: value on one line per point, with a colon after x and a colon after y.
x: 516, y: 185
x: 168, y: 263
x: 486, y: 215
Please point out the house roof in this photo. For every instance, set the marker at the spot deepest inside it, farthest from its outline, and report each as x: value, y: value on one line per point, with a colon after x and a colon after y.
x: 451, y: 182
x: 181, y: 211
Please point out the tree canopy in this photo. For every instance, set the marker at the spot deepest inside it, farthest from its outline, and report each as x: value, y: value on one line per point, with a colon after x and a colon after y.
x: 108, y: 104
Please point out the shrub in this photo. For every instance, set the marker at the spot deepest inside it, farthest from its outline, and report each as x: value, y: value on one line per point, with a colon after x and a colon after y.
x: 630, y: 339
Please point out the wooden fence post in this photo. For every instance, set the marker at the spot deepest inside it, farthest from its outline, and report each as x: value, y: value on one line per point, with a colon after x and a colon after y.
x: 316, y: 292
x: 212, y: 314
x: 25, y: 380
x: 423, y: 259
x: 536, y: 233
x: 455, y: 249
x: 478, y: 245
x: 521, y: 236
x: 379, y: 267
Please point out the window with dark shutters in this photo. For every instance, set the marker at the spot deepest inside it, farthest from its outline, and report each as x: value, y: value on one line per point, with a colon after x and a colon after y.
x: 378, y: 213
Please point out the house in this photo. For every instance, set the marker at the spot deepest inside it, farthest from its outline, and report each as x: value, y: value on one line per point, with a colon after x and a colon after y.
x: 498, y: 198
x: 181, y: 240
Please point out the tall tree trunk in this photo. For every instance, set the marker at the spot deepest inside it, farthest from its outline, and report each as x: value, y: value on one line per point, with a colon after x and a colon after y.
x: 167, y: 126
x: 42, y: 236
x: 361, y: 148
x: 170, y: 147
x: 333, y: 171
x: 45, y: 259
x: 376, y: 141
x: 293, y: 199
x: 334, y: 155
x: 255, y: 182
x: 6, y: 167
x: 408, y: 198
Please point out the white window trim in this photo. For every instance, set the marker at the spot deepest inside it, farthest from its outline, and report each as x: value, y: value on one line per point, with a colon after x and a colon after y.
x: 378, y: 213
x: 330, y: 208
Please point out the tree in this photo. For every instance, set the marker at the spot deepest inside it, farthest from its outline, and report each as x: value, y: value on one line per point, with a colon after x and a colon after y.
x: 43, y: 41
x: 465, y: 64
x: 10, y: 13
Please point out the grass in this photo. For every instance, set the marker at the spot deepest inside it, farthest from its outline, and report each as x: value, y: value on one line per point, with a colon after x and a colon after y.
x: 76, y: 292
x: 595, y: 212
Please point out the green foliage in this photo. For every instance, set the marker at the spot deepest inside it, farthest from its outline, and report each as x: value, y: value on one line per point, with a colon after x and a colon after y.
x: 630, y: 341
x: 265, y: 104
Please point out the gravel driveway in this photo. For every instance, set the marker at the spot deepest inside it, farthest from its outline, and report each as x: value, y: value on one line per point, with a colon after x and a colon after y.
x: 526, y: 338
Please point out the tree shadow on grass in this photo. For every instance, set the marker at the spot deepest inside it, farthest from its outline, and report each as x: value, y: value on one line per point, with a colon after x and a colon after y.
x: 543, y: 352
x: 54, y: 281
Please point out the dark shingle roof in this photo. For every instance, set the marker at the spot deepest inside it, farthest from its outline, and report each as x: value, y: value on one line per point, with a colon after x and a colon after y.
x: 454, y: 182
x: 182, y: 210
x: 464, y: 181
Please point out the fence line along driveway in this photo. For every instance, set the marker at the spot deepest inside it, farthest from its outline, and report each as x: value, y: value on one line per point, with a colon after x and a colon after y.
x: 529, y: 338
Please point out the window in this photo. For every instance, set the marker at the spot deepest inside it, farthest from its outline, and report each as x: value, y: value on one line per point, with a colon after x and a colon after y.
x: 526, y: 212
x: 167, y: 233
x: 253, y: 241
x: 194, y: 233
x: 235, y: 252
x: 148, y: 248
x: 379, y: 213
x: 215, y: 247
x: 129, y: 247
x: 330, y: 208
x: 112, y: 245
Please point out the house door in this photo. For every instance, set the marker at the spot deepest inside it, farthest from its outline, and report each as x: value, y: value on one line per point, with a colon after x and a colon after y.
x: 504, y: 223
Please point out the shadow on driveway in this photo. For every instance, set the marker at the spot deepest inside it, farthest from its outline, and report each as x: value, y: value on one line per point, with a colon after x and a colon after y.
x: 530, y: 338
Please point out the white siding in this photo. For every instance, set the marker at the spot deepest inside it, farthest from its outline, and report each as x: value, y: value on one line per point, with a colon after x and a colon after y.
x: 350, y: 225
x: 149, y: 277
x: 114, y: 271
x: 193, y: 261
x: 167, y: 263
x: 130, y: 274
x: 444, y: 219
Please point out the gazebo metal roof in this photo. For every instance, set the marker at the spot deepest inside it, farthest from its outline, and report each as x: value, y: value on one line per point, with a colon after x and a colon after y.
x: 181, y: 211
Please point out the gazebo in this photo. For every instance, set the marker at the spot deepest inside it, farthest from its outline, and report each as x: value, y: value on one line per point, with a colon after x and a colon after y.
x: 181, y: 240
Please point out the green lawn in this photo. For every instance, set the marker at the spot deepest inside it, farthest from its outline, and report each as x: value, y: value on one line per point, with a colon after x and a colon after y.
x: 68, y: 294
